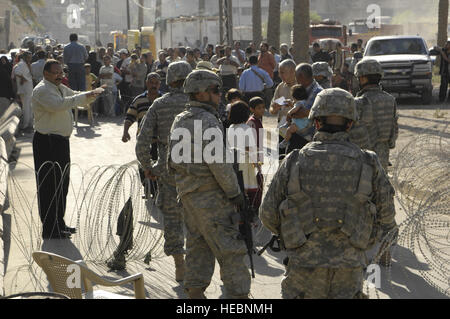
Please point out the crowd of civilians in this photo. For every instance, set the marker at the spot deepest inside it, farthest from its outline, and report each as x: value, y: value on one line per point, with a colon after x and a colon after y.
x: 254, y: 82
x: 255, y: 73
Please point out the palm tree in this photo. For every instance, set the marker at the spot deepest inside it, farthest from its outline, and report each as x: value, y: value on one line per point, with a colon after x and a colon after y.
x: 301, y: 31
x: 257, y: 24
x: 443, y: 22
x: 26, y: 11
x: 273, y: 25
x: 158, y: 20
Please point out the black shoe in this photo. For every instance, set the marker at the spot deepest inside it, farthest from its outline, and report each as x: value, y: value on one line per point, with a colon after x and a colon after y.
x: 58, y: 235
x: 70, y: 230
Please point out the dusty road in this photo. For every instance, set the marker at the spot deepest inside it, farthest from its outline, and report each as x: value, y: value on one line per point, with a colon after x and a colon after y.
x: 101, y: 146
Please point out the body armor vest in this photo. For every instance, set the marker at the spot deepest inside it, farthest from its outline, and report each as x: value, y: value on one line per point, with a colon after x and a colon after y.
x: 340, y: 203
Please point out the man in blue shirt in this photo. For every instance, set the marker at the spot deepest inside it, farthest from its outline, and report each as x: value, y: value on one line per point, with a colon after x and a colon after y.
x: 75, y: 56
x: 254, y: 80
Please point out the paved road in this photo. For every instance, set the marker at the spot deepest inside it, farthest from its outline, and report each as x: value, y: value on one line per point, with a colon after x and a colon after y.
x: 101, y: 146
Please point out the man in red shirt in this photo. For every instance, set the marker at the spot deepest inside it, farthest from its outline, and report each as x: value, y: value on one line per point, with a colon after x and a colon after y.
x: 266, y: 60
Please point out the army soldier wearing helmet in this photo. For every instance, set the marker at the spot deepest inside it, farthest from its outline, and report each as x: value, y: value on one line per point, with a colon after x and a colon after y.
x: 322, y: 74
x: 156, y: 124
x: 329, y: 203
x: 378, y: 112
x: 209, y: 191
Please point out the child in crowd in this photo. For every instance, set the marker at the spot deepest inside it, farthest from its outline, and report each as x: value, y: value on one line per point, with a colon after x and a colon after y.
x: 109, y: 78
x: 299, y: 95
x: 91, y: 79
x: 239, y: 115
x: 231, y: 97
x: 257, y: 107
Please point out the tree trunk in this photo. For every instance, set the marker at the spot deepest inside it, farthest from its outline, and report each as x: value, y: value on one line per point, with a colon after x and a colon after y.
x: 158, y: 21
x: 443, y: 22
x: 257, y: 24
x: 301, y: 31
x: 273, y: 25
x: 229, y: 21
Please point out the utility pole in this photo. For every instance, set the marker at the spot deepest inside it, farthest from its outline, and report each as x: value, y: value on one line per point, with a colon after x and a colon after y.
x: 128, y: 15
x: 97, y: 23
x: 221, y: 40
x: 7, y: 26
x: 141, y: 14
x: 201, y: 13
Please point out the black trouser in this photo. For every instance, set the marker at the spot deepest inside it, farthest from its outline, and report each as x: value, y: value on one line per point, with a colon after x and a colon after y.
x: 125, y: 94
x: 444, y: 88
x: 52, y: 165
x: 296, y: 142
x: 228, y: 82
x: 77, y: 76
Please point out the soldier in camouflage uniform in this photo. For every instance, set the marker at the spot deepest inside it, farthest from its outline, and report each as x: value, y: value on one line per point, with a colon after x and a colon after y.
x: 328, y: 202
x: 209, y: 193
x: 378, y: 130
x: 157, y: 123
x: 322, y: 74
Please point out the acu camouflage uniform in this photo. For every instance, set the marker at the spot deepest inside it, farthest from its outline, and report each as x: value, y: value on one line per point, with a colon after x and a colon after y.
x: 323, y: 69
x: 329, y: 202
x: 157, y: 123
x: 205, y: 191
x: 378, y: 110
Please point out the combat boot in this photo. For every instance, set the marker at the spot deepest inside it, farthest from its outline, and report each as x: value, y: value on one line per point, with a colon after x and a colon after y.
x: 117, y: 263
x: 196, y: 293
x: 179, y: 267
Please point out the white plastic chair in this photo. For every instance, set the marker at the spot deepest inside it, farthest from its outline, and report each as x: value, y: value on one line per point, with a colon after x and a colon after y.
x: 58, y: 272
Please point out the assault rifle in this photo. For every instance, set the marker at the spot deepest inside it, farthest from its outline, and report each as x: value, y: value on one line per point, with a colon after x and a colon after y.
x: 246, y: 219
x: 271, y: 245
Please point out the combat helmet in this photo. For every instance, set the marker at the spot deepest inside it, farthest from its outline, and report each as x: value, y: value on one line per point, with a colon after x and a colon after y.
x: 336, y: 102
x: 178, y: 71
x: 200, y: 81
x: 368, y: 67
x: 322, y: 68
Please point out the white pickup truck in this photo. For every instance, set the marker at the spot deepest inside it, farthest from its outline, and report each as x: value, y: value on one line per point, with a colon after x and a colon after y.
x: 406, y: 63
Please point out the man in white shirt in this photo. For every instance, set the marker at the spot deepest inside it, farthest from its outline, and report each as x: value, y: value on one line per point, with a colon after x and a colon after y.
x: 238, y: 53
x: 219, y: 54
x: 108, y: 78
x: 24, y: 79
x: 228, y: 67
x: 114, y: 58
x: 125, y: 87
x: 52, y: 105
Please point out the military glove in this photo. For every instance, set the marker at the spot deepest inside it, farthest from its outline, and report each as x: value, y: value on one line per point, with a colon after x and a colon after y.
x: 239, y: 200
